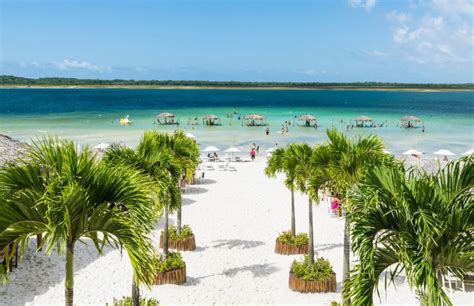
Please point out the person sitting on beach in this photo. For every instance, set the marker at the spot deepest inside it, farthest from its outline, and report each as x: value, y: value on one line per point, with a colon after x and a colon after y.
x: 215, y: 155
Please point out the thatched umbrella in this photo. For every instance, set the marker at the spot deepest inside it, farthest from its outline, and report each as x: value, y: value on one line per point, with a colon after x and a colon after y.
x: 361, y: 120
x: 210, y: 120
x: 251, y: 120
x: 307, y: 119
x: 10, y: 149
x: 167, y: 117
x: 409, y: 121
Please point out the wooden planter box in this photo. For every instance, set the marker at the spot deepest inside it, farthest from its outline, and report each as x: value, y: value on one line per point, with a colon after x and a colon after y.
x: 175, y: 277
x: 188, y: 244
x: 289, y: 249
x: 301, y: 285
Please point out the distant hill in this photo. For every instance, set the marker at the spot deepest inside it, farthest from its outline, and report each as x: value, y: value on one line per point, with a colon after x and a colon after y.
x: 14, y: 81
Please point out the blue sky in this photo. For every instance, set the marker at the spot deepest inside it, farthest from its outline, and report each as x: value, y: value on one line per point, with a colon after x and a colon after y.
x: 243, y: 40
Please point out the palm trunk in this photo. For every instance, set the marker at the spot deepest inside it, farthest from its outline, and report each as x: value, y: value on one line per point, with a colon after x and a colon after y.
x: 165, y: 233
x: 39, y: 238
x: 69, y: 282
x: 293, y: 224
x: 135, y: 294
x: 347, y: 255
x: 178, y: 220
x: 310, y: 233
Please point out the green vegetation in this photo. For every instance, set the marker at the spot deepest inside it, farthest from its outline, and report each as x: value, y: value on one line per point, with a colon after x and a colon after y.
x: 185, y: 232
x: 283, y: 162
x: 289, y: 238
x: 67, y: 195
x: 8, y: 80
x: 321, y: 270
x: 173, y: 261
x: 420, y: 224
x: 127, y: 301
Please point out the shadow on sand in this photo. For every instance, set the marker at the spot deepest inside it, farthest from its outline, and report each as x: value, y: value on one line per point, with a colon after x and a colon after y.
x: 206, y: 181
x: 237, y: 243
x: 187, y: 201
x: 196, y: 190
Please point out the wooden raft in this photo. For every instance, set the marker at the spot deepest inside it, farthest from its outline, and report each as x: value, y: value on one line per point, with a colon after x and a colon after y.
x: 289, y: 249
x: 301, y: 285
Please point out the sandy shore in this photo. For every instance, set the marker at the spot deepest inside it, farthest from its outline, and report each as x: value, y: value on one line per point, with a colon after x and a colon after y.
x: 236, y: 217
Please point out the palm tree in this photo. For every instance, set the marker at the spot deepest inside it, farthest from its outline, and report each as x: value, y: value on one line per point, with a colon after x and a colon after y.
x: 67, y: 196
x: 282, y: 162
x: 421, y: 224
x: 156, y: 161
x: 340, y: 164
x: 301, y: 153
x: 185, y: 153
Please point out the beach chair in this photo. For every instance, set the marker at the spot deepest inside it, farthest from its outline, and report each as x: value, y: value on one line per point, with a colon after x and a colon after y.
x: 210, y: 168
x: 237, y: 159
x: 232, y: 168
x: 222, y: 167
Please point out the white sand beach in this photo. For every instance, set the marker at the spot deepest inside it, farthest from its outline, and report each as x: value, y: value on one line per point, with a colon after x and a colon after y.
x: 236, y: 217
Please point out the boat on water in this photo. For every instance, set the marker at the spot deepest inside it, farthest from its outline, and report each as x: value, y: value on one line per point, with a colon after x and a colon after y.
x: 125, y: 120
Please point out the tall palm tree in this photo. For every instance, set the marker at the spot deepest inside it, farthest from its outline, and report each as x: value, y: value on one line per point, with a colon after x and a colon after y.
x: 156, y: 161
x: 421, y: 224
x: 185, y: 154
x: 282, y: 162
x: 302, y: 154
x: 340, y: 164
x: 67, y: 196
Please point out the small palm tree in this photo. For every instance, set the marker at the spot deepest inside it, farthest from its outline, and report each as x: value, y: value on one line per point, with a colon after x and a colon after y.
x: 67, y: 196
x: 282, y: 162
x: 340, y: 164
x: 185, y: 154
x: 421, y: 224
x: 156, y: 161
x: 302, y: 153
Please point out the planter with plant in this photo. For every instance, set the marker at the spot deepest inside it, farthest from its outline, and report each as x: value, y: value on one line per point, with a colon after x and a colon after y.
x: 288, y: 244
x: 319, y: 277
x: 127, y: 301
x: 182, y: 241
x: 170, y: 269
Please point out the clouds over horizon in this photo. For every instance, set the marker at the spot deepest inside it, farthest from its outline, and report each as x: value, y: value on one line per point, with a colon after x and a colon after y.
x: 366, y: 4
x: 442, y: 35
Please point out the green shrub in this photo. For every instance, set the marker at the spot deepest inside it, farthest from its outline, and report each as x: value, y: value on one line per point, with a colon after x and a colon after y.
x: 127, y: 301
x: 334, y: 303
x: 185, y: 233
x: 321, y: 270
x: 288, y: 238
x: 173, y: 262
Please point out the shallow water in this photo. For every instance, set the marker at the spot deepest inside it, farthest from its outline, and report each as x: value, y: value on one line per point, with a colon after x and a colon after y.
x: 89, y: 115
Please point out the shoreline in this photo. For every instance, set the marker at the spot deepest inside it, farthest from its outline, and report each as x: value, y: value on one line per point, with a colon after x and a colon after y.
x: 164, y: 87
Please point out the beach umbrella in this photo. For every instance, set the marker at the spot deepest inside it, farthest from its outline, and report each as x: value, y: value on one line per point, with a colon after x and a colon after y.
x: 211, y: 149
x: 271, y: 150
x: 444, y: 153
x: 189, y: 135
x: 102, y: 146
x: 363, y: 119
x: 232, y: 151
x: 470, y: 152
x: 412, y: 152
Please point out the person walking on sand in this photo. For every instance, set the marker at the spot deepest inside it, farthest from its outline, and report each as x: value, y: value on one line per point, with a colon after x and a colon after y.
x: 252, y: 154
x: 267, y: 131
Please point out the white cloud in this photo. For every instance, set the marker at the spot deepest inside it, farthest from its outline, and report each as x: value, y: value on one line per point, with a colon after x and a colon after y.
x: 367, y: 4
x: 376, y: 53
x: 442, y: 35
x: 71, y: 64
x: 454, y: 7
x: 398, y: 17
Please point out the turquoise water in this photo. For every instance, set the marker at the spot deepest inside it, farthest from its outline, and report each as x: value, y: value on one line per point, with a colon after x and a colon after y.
x: 87, y: 115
